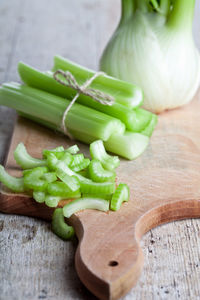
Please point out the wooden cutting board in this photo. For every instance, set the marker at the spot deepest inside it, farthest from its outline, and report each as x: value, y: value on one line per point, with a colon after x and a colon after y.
x: 165, y: 186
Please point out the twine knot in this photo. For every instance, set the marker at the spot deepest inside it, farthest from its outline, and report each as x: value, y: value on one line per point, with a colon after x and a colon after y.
x: 70, y: 81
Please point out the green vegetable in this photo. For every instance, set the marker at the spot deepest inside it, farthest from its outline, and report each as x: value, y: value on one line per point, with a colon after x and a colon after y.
x: 50, y: 109
x: 81, y: 166
x: 55, y: 151
x: 39, y: 196
x: 121, y: 194
x: 26, y: 161
x: 98, y: 174
x: 92, y: 188
x: 73, y: 149
x: 59, y: 227
x: 13, y: 183
x: 61, y: 189
x: 33, y: 179
x: 70, y: 181
x: 127, y: 94
x: 153, y: 48
x: 85, y: 203
x: 52, y: 201
x: 97, y: 151
x: 49, y: 177
x: 97, y: 187
x: 133, y: 119
x: 129, y: 144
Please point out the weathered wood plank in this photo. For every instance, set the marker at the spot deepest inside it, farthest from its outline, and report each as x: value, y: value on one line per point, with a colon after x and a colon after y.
x: 35, y: 264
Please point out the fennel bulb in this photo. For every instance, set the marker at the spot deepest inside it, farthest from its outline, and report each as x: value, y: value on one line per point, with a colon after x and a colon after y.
x: 153, y: 48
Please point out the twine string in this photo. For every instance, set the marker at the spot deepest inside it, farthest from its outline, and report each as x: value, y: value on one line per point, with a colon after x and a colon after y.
x: 70, y: 81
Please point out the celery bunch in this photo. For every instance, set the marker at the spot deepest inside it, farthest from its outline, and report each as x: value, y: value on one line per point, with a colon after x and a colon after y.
x: 124, y: 127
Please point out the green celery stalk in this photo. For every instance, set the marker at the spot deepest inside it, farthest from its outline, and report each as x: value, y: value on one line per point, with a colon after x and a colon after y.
x: 50, y: 108
x: 134, y: 120
x: 128, y: 145
x: 127, y: 94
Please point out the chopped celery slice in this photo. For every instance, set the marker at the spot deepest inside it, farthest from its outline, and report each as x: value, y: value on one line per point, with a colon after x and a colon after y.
x: 33, y: 179
x: 64, y: 168
x: 52, y: 161
x: 59, y: 227
x: 97, y: 187
x: 121, y: 194
x: 39, y: 196
x: 49, y: 177
x: 16, y: 184
x: 73, y: 149
x: 85, y: 203
x: 71, y: 181
x: 102, y: 196
x: 77, y: 159
x: 81, y: 166
x: 26, y: 161
x: 97, y: 151
x: 52, y: 201
x: 98, y: 174
x: 129, y: 145
x: 54, y: 151
x: 59, y: 188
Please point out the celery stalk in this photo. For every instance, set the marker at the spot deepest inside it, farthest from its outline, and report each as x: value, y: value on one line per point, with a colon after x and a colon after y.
x: 133, y: 120
x: 129, y: 145
x: 127, y: 94
x: 50, y: 108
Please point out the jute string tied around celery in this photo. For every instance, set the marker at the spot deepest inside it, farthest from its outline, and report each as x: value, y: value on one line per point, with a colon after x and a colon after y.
x: 70, y: 81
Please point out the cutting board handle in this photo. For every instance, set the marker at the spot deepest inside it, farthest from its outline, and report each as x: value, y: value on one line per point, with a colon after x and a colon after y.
x: 109, y: 259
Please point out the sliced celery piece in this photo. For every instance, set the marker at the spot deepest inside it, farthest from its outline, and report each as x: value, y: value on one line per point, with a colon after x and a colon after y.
x: 49, y: 177
x: 97, y: 151
x: 129, y: 145
x: 60, y: 189
x: 54, y: 151
x: 16, y: 184
x: 77, y: 159
x: 26, y: 161
x: 64, y: 168
x: 52, y: 201
x: 33, y: 179
x: 85, y: 203
x: 59, y: 227
x: 98, y: 174
x: 81, y: 166
x: 50, y: 108
x: 39, y: 196
x: 73, y: 149
x: 102, y: 196
x: 71, y: 181
x: 97, y: 187
x: 121, y: 194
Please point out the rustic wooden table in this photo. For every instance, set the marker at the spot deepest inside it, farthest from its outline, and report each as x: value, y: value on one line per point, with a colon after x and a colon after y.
x: 34, y: 263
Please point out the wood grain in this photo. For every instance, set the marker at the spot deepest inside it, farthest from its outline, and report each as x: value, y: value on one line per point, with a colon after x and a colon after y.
x: 31, y: 257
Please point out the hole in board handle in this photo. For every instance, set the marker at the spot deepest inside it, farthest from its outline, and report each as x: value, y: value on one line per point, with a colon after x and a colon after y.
x: 113, y: 263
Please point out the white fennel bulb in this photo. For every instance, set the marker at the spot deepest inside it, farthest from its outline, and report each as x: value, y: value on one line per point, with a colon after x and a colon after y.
x: 153, y: 47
